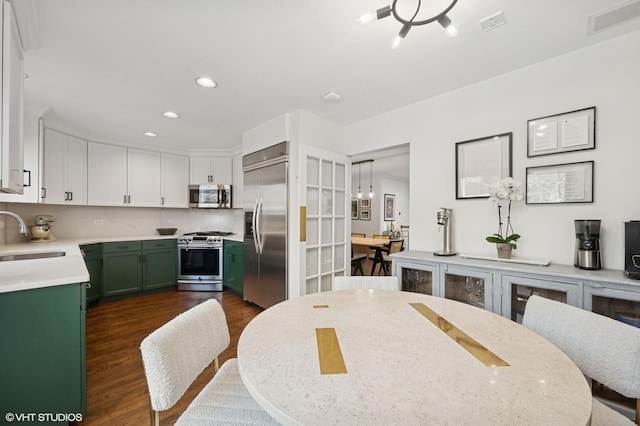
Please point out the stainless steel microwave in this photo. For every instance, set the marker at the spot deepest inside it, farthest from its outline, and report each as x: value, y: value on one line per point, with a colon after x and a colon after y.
x: 210, y: 196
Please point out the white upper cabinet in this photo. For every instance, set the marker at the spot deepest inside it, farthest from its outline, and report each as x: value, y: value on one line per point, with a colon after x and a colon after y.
x: 175, y: 181
x: 12, y: 91
x: 107, y: 175
x: 120, y: 176
x: 217, y: 170
x: 64, y: 169
x: 144, y: 170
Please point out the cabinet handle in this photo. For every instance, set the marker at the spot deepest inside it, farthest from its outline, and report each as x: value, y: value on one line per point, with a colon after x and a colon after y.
x: 162, y: 201
x: 125, y: 199
x: 43, y: 194
x: 70, y: 196
x: 28, y: 172
x: 128, y: 199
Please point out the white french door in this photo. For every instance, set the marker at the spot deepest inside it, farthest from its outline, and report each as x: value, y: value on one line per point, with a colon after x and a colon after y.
x: 325, y: 191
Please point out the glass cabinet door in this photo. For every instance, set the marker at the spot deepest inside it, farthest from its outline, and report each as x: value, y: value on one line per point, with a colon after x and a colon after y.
x: 517, y: 290
x: 468, y: 286
x: 623, y: 306
x: 416, y: 278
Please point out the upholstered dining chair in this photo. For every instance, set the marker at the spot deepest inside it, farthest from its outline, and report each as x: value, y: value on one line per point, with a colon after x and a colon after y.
x: 174, y: 356
x: 366, y: 282
x: 604, y: 349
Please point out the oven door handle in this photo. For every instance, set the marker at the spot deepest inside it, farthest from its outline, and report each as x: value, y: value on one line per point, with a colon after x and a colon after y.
x: 258, y: 223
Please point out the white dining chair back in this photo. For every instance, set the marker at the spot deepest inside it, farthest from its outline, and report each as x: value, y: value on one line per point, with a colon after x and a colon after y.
x: 604, y: 349
x: 366, y: 282
x: 175, y: 354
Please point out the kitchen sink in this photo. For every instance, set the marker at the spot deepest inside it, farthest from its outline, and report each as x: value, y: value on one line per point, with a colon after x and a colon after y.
x: 27, y: 256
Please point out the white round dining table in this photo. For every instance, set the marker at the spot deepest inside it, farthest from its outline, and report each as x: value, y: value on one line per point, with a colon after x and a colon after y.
x: 376, y: 357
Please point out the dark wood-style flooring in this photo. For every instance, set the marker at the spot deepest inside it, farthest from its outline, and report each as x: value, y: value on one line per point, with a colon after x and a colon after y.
x: 116, y: 386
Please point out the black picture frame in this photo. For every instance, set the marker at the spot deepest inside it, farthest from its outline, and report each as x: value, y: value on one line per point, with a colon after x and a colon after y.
x: 482, y: 162
x: 566, y: 132
x: 560, y: 183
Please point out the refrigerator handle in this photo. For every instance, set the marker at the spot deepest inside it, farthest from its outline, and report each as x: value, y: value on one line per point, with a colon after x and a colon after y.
x: 258, y: 223
x: 254, y: 225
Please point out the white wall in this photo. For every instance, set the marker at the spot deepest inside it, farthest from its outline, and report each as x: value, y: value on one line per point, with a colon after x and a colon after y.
x: 604, y: 75
x: 381, y: 185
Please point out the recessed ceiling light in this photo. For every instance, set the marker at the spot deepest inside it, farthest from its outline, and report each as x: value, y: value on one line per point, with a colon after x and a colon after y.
x: 150, y: 134
x: 332, y: 97
x: 170, y: 114
x: 206, y: 82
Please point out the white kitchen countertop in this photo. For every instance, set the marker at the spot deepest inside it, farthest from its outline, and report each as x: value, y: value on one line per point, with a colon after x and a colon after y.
x: 28, y: 274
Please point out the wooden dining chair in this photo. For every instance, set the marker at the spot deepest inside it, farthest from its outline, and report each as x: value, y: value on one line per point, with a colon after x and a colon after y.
x: 366, y: 282
x: 174, y: 356
x: 356, y: 234
x: 381, y: 237
x: 395, y: 246
x: 604, y: 349
x: 356, y: 262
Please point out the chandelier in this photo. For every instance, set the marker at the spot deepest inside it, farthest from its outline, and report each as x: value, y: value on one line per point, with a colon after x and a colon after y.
x: 407, y: 24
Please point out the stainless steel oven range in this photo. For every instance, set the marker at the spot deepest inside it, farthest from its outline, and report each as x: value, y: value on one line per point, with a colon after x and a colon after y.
x: 200, y: 261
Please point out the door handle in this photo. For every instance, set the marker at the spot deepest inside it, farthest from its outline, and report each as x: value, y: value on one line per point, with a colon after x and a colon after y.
x: 258, y: 222
x: 254, y: 225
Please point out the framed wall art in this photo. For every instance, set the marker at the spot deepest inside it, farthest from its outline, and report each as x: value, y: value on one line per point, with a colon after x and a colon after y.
x: 365, y: 203
x: 480, y: 163
x: 570, y: 131
x: 560, y: 183
x: 354, y: 210
x: 365, y: 214
x: 389, y: 207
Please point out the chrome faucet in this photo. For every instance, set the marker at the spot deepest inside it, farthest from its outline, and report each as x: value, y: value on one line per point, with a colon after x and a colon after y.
x: 22, y: 227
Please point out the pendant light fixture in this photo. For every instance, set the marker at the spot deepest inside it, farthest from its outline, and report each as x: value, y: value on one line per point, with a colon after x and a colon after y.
x: 371, y: 179
x: 407, y: 24
x: 359, y: 163
x: 359, y: 187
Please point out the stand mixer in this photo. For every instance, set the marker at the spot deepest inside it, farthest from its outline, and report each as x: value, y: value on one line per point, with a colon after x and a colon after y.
x: 40, y: 231
x: 444, y: 218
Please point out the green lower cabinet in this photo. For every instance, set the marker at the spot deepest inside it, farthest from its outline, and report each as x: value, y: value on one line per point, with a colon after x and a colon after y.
x: 121, y: 272
x: 134, y: 266
x: 93, y: 260
x: 42, y: 353
x: 233, y: 266
x: 159, y: 264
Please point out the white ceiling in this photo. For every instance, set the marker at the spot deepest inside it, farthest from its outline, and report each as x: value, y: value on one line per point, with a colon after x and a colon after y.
x: 109, y: 68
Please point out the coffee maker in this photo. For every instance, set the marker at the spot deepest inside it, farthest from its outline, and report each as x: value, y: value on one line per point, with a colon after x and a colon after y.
x: 632, y: 249
x: 587, y: 244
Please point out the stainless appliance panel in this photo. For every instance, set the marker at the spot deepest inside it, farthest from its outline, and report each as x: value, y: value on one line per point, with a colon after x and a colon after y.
x: 251, y: 279
x: 265, y: 241
x: 273, y: 234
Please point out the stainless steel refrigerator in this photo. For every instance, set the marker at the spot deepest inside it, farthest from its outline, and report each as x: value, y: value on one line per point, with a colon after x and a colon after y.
x: 266, y: 200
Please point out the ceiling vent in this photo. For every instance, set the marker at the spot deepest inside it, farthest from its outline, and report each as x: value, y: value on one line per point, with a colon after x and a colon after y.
x: 494, y: 21
x: 616, y: 15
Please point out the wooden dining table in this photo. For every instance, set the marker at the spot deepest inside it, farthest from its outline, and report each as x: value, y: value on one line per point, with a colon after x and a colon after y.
x: 375, y: 357
x: 367, y: 244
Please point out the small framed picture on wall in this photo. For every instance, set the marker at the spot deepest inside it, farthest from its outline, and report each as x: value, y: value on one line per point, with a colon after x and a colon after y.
x: 365, y: 214
x: 365, y: 203
x: 354, y: 209
x: 389, y: 207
